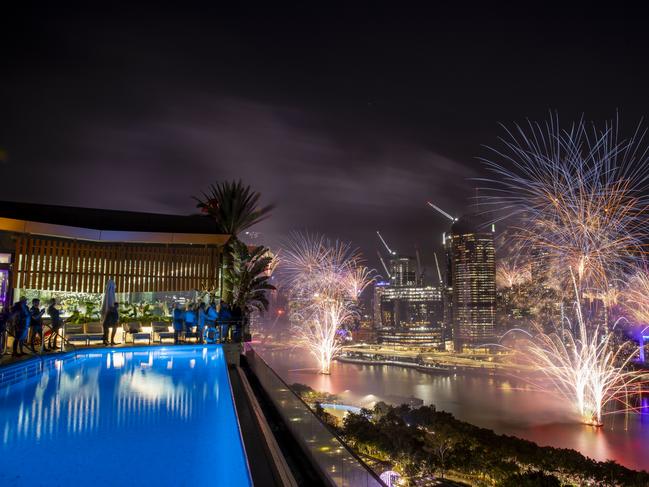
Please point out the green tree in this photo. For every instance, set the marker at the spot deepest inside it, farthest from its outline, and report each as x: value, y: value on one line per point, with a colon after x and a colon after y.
x: 440, y: 446
x: 234, y: 207
x: 249, y: 278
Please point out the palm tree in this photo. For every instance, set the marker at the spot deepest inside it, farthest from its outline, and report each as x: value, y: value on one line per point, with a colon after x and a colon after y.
x: 234, y: 208
x: 249, y: 279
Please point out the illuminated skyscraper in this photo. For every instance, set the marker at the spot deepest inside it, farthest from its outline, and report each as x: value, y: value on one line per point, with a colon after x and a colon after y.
x: 379, y: 289
x: 540, y: 267
x: 473, y: 281
x: 403, y: 272
x: 412, y: 316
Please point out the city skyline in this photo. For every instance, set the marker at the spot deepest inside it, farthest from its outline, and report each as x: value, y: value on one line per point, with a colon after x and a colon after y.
x: 355, y: 246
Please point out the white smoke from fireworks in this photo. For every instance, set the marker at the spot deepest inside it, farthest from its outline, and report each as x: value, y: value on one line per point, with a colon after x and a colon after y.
x: 324, y: 280
x: 587, y: 367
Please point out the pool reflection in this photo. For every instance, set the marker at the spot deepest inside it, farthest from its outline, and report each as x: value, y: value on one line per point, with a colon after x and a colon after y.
x: 106, y: 417
x: 120, y: 389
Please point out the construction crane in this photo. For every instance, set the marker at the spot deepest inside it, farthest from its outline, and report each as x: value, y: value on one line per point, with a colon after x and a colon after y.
x: 439, y: 273
x: 420, y: 272
x: 450, y: 217
x: 390, y: 251
x: 383, y: 264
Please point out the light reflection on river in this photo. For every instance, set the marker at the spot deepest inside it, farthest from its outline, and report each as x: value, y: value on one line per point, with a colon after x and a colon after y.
x: 499, y: 404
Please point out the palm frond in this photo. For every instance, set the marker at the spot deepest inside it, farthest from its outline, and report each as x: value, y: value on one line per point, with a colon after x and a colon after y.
x: 233, y: 206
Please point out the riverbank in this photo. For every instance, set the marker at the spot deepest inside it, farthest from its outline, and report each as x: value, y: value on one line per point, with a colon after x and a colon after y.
x: 427, y: 361
x: 422, y: 443
x: 508, y: 405
x: 427, y: 368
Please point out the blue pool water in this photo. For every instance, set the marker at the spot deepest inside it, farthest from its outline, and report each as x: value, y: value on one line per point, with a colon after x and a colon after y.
x: 141, y: 416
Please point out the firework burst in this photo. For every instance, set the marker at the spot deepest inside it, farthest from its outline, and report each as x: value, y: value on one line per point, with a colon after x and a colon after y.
x: 580, y: 194
x: 324, y: 280
x: 636, y: 296
x: 510, y: 272
x: 586, y: 366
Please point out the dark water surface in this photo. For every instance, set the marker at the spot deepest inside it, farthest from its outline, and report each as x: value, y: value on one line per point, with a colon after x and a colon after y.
x: 507, y: 406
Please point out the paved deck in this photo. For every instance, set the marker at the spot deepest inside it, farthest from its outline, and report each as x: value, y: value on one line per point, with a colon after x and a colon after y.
x: 8, y: 358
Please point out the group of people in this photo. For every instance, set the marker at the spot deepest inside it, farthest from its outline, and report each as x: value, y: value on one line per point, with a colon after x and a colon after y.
x: 210, y: 324
x: 25, y: 323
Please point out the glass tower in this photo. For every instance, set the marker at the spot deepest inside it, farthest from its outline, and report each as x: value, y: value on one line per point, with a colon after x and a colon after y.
x: 473, y: 279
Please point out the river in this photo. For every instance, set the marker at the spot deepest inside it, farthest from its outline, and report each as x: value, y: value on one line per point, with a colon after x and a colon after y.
x: 507, y: 406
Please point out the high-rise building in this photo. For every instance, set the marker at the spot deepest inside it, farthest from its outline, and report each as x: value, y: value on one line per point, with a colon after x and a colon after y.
x: 403, y: 272
x: 412, y: 316
x: 540, y: 264
x: 447, y: 288
x: 379, y: 288
x: 471, y: 255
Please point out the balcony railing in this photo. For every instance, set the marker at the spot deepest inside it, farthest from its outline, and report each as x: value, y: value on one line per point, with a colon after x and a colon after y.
x: 338, y: 464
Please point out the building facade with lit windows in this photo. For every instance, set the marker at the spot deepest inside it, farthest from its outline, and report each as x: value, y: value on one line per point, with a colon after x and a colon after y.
x: 412, y: 316
x: 471, y: 255
x: 56, y: 251
x: 377, y: 292
x: 403, y: 272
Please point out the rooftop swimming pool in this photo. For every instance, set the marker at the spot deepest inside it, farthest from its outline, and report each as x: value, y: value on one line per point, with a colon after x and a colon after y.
x: 140, y: 416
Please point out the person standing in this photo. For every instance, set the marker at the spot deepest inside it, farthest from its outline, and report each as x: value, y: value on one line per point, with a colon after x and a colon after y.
x: 178, y: 316
x: 202, y: 316
x: 21, y: 317
x: 36, y: 324
x: 190, y: 319
x: 5, y: 317
x: 225, y: 320
x: 56, y: 324
x: 210, y: 320
x: 111, y: 320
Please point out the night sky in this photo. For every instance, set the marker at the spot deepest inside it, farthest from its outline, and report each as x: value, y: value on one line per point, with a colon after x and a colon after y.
x: 348, y: 120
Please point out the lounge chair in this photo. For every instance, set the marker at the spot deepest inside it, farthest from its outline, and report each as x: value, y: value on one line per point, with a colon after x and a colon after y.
x: 94, y: 331
x: 75, y: 333
x: 134, y: 328
x: 161, y: 330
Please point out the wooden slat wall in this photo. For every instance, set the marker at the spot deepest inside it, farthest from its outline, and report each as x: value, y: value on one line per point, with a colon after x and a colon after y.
x: 67, y: 265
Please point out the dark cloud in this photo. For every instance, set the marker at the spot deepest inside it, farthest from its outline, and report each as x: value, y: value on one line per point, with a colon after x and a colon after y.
x: 345, y: 187
x: 347, y: 121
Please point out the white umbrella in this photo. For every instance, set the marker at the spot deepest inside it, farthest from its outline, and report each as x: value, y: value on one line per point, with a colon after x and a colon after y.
x: 108, y: 300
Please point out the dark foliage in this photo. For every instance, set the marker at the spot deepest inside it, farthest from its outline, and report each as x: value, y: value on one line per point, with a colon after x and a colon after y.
x: 435, y: 442
x: 531, y: 479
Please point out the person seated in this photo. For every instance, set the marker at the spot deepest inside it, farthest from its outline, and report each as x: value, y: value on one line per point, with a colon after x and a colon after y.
x: 211, y: 335
x: 211, y: 316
